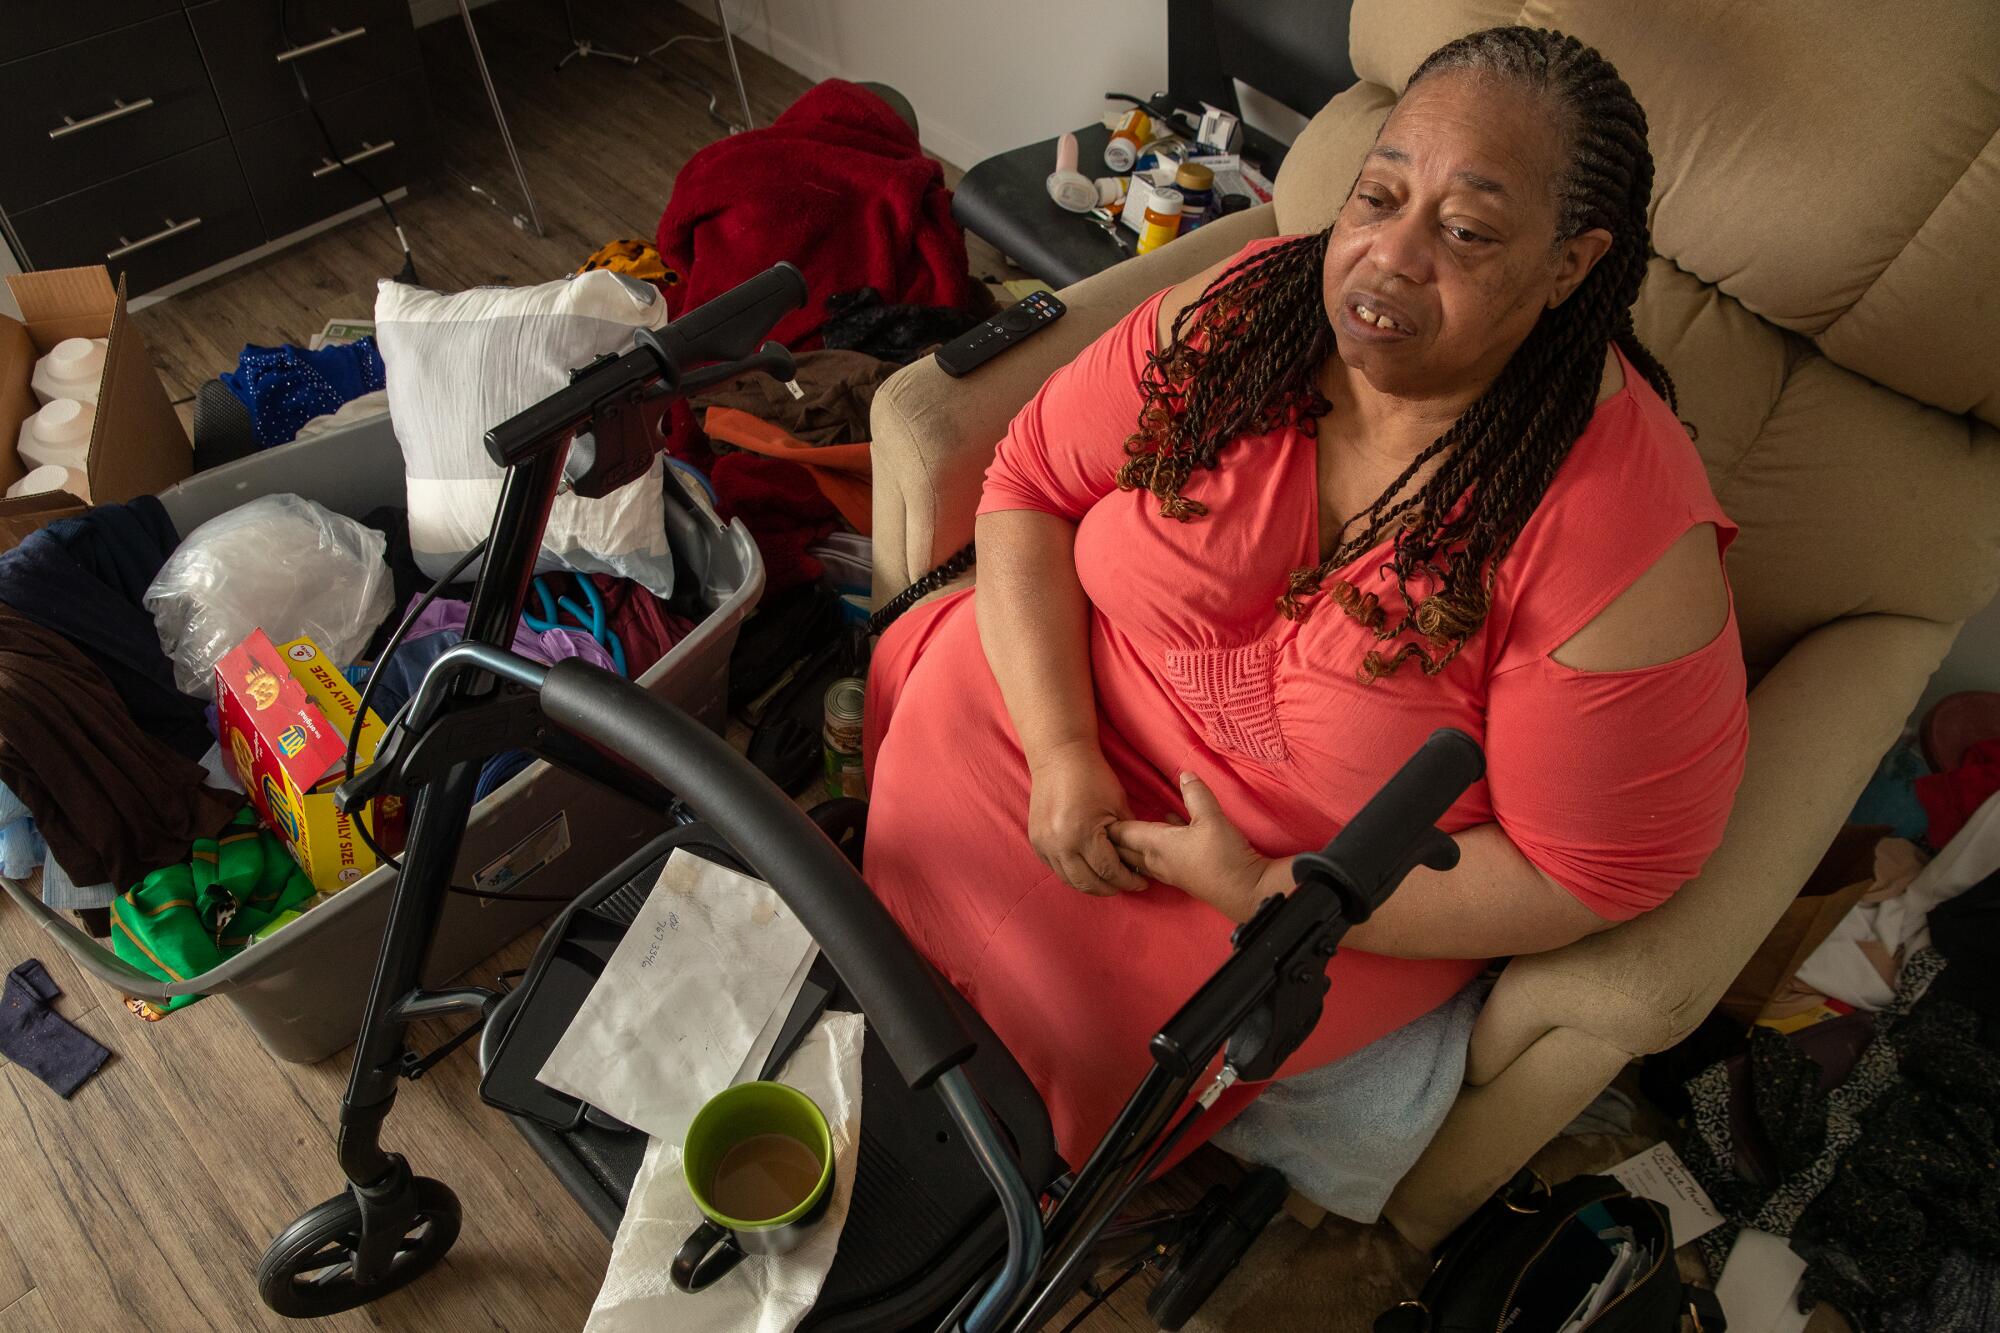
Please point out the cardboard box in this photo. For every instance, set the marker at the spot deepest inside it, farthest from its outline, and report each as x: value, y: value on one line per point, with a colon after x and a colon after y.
x: 137, y: 446
x: 283, y: 715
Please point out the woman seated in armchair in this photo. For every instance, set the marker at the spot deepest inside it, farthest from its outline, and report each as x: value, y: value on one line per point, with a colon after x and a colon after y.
x: 1273, y: 528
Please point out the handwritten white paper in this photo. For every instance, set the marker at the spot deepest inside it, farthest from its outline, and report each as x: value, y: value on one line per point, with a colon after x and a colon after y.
x: 700, y: 982
x: 1659, y: 1174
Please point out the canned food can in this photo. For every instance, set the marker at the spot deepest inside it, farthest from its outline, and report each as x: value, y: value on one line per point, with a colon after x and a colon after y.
x: 841, y: 733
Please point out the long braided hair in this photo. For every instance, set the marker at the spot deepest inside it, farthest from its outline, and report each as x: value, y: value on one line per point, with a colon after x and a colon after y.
x: 1245, y: 358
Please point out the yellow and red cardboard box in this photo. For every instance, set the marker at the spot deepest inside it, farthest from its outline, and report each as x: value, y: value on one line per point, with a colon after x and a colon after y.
x: 284, y: 712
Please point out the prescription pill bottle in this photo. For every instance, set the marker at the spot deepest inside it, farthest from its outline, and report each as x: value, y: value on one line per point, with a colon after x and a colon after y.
x: 842, y: 734
x: 1130, y: 135
x: 1196, y: 184
x: 1163, y: 220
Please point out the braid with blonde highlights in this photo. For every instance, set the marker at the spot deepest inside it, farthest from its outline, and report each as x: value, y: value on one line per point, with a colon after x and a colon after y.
x: 1242, y: 362
x: 1245, y: 356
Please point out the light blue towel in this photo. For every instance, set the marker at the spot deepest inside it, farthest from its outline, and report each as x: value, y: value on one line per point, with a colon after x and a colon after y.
x: 1345, y: 1133
x: 22, y: 848
x: 60, y: 891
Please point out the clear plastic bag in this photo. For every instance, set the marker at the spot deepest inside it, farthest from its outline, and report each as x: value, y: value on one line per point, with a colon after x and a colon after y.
x: 280, y: 563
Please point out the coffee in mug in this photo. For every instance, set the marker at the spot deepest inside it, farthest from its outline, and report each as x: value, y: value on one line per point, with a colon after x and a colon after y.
x: 758, y: 1159
x: 766, y: 1175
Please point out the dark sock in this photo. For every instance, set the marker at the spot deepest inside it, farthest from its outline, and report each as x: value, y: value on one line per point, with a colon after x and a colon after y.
x: 39, y: 1039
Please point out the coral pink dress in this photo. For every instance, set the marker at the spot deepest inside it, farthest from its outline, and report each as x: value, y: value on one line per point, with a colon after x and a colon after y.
x: 1616, y: 784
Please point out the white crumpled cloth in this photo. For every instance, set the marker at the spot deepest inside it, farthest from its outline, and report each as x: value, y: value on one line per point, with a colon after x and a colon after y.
x: 763, y: 1294
x: 1901, y: 925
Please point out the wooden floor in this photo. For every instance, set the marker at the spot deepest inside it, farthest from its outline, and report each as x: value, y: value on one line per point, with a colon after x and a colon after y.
x: 143, y: 1203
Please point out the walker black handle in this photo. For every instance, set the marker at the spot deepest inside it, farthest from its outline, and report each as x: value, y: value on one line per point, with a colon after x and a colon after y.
x: 734, y: 324
x: 1396, y: 831
x: 1266, y: 999
x: 729, y: 328
x: 897, y: 992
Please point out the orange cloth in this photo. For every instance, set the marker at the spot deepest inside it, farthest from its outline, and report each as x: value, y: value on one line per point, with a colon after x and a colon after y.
x: 1616, y: 784
x: 843, y: 472
x: 635, y: 258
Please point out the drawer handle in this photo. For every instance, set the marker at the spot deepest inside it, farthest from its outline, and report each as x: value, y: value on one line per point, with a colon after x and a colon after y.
x: 334, y: 40
x: 119, y: 107
x: 172, y: 228
x: 328, y: 166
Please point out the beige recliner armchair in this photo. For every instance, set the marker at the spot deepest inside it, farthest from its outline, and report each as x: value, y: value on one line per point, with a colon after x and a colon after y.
x: 1826, y: 210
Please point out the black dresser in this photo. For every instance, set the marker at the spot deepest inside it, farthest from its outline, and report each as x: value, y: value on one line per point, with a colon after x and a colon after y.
x: 161, y: 138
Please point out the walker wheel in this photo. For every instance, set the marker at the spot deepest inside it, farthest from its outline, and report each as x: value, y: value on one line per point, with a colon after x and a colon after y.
x: 308, y: 1271
x: 1215, y: 1247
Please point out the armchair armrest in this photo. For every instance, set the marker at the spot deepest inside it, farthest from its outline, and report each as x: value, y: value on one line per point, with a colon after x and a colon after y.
x: 934, y: 435
x: 1819, y: 723
x: 1560, y: 1025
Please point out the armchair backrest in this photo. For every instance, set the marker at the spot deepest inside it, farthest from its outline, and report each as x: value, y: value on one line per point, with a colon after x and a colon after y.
x: 1826, y: 291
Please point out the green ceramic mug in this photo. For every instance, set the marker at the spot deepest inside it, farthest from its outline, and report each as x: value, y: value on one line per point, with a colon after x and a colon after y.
x: 759, y: 1162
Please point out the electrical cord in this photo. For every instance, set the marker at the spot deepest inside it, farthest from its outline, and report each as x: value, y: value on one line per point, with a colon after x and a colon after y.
x: 397, y: 723
x: 736, y: 25
x: 511, y: 897
x: 395, y: 641
x: 1160, y: 111
x: 714, y: 99
x: 1100, y: 1298
x: 409, y: 269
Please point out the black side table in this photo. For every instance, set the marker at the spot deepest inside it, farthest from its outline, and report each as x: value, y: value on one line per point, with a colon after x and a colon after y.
x: 1005, y: 200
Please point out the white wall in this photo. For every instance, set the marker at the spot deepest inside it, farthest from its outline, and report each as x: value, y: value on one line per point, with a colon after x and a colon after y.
x: 1972, y: 664
x: 984, y: 77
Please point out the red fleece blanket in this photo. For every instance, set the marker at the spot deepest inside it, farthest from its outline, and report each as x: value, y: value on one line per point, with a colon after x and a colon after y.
x: 836, y: 185
x: 784, y: 509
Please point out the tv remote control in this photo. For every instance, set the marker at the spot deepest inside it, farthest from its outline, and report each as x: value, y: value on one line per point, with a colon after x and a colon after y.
x: 975, y: 347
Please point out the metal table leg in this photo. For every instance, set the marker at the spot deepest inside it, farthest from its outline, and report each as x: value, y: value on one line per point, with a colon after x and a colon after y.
x: 735, y: 70
x: 728, y: 41
x: 500, y: 117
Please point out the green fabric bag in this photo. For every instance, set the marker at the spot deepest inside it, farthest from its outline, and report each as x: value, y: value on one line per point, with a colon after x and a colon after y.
x: 181, y: 921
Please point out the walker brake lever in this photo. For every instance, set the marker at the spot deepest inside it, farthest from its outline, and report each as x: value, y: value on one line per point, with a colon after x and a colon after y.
x: 461, y: 732
x: 773, y: 359
x: 364, y: 786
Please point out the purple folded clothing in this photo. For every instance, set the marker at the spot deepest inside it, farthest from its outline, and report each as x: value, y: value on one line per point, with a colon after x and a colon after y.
x: 545, y: 646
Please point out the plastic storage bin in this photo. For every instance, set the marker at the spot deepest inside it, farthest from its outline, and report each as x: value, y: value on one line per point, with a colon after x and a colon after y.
x: 545, y: 832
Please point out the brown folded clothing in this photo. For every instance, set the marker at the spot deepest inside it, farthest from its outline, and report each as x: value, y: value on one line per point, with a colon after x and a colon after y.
x: 112, y: 803
x: 839, y: 389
